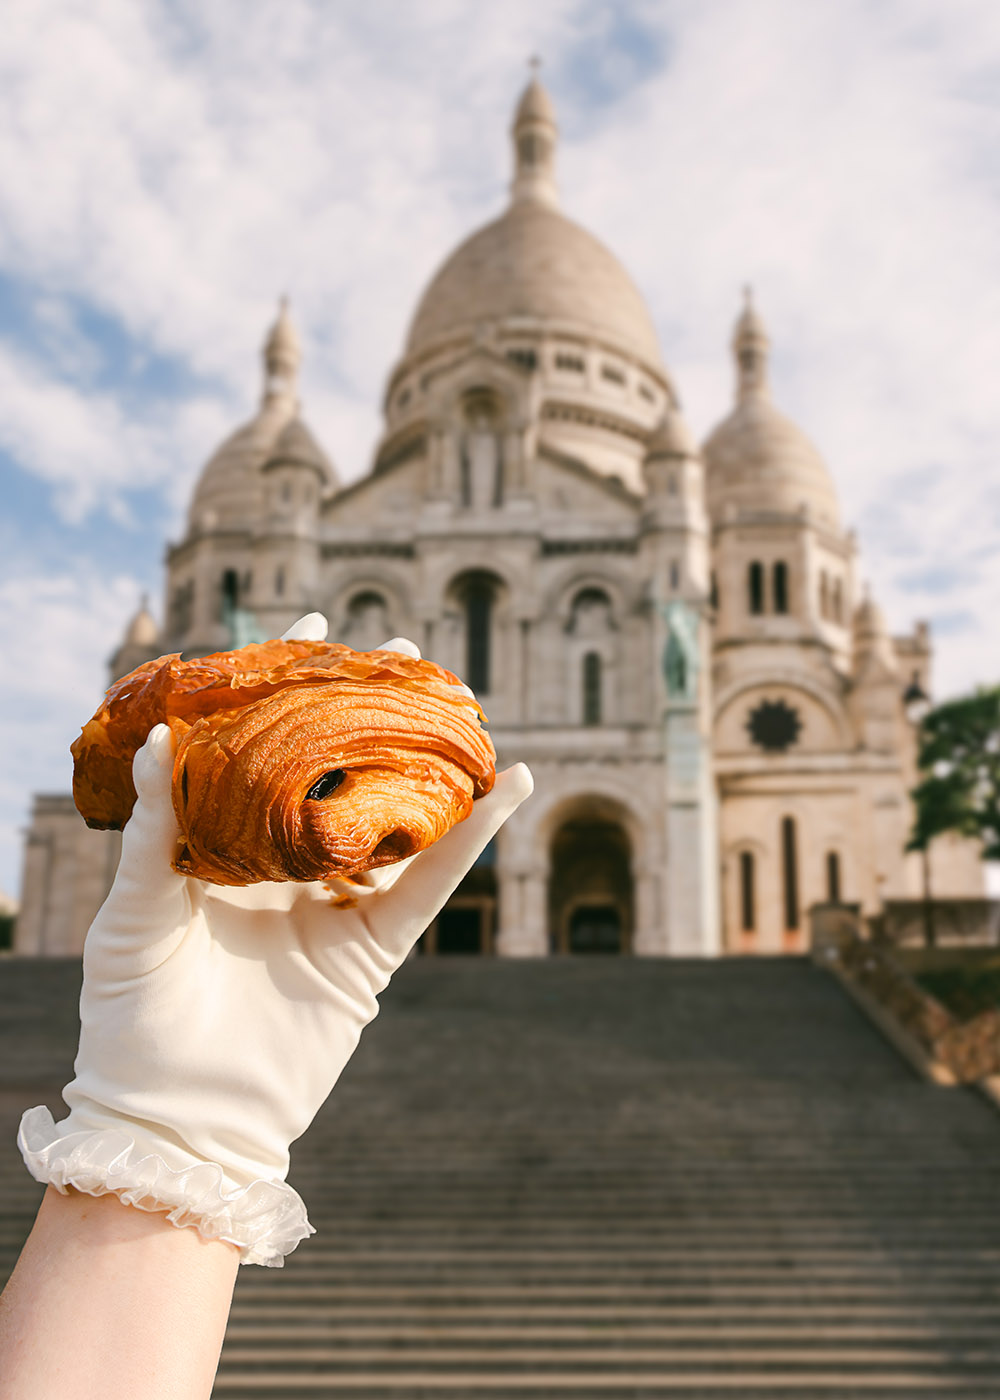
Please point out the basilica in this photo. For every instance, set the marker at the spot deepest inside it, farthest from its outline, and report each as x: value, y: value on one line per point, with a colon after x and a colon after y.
x: 674, y: 638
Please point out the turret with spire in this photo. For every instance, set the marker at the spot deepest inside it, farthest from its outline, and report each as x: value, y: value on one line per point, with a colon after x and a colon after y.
x: 534, y: 132
x: 751, y: 346
x: 282, y: 357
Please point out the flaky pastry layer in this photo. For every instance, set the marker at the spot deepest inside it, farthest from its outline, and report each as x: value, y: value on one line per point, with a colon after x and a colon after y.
x: 294, y: 760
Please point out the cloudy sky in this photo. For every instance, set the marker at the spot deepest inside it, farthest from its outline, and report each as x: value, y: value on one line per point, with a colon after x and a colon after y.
x: 168, y: 169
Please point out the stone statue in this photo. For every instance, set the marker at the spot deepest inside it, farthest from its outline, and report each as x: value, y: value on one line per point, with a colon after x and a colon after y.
x: 481, y: 459
x: 680, y: 658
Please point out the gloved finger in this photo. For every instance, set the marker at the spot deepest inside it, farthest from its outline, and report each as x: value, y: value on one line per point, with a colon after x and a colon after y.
x: 311, y: 628
x: 372, y: 882
x: 401, y: 644
x: 146, y: 890
x: 399, y: 915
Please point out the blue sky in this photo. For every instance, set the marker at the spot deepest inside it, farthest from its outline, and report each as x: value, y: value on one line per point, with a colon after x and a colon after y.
x: 167, y: 170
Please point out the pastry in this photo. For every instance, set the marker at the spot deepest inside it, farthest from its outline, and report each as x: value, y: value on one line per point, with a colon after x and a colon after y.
x: 294, y: 760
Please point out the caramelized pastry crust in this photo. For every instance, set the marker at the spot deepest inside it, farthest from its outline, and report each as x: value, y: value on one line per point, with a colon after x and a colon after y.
x: 294, y: 760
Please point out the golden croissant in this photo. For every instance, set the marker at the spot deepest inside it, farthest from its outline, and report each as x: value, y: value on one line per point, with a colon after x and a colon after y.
x: 294, y: 760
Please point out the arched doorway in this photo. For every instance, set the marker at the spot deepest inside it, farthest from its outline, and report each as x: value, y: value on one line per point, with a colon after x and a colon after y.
x: 590, y: 885
x: 467, y: 923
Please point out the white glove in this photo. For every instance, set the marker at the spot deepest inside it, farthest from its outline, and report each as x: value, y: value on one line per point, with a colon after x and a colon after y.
x: 216, y: 1020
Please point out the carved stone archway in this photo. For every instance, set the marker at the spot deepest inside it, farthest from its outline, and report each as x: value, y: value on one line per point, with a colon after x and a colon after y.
x: 591, y: 899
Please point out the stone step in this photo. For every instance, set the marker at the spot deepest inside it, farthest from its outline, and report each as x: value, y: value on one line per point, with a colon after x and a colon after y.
x: 626, y: 1383
x: 626, y: 1180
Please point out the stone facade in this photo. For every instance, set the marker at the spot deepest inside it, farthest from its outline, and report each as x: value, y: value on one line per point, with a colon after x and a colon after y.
x: 673, y: 640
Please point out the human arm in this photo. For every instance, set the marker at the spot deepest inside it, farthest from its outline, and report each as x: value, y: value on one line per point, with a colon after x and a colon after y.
x: 106, y: 1300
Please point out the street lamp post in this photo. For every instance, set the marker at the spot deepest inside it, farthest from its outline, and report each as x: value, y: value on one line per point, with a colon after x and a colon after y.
x: 917, y: 706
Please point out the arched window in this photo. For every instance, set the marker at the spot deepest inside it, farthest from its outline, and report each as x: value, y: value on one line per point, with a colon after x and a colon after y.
x: 824, y: 594
x: 780, y: 578
x: 591, y: 616
x: 838, y: 601
x: 833, y: 877
x: 675, y: 574
x: 229, y: 592
x: 755, y: 587
x: 748, y: 896
x: 279, y: 580
x: 478, y: 602
x: 714, y: 592
x: 790, y: 873
x: 592, y: 688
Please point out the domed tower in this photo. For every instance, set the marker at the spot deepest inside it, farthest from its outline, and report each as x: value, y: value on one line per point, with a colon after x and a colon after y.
x: 251, y: 549
x: 140, y: 643
x: 544, y: 320
x: 784, y: 568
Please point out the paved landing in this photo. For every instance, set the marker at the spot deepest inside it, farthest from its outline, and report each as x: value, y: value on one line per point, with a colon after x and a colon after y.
x: 603, y: 1178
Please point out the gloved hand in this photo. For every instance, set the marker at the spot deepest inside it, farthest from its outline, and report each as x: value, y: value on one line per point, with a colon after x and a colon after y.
x: 216, y: 1020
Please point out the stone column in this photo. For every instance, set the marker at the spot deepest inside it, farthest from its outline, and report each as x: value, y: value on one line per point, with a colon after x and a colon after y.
x: 692, y: 837
x: 648, y: 937
x: 29, y: 930
x: 523, y: 927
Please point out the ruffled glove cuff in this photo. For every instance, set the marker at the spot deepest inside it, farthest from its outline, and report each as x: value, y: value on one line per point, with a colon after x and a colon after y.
x: 265, y: 1219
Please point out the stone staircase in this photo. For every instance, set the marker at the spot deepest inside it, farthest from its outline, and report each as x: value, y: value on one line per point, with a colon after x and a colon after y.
x: 605, y: 1178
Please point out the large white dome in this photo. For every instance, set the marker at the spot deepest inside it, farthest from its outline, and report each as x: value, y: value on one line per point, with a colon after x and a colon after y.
x: 535, y: 263
x: 533, y: 268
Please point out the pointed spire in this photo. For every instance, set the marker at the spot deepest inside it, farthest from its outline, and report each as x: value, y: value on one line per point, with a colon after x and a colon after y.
x: 750, y: 346
x: 282, y: 357
x: 872, y: 642
x: 534, y: 132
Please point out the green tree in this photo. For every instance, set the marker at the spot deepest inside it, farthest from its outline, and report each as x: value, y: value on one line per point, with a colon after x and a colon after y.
x: 960, y: 758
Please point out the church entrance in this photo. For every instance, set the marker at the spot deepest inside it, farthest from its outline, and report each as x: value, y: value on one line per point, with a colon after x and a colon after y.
x: 467, y: 923
x: 590, y: 887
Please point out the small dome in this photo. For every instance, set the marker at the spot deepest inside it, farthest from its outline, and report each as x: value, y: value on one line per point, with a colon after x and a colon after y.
x: 535, y: 263
x: 671, y: 437
x: 295, y: 443
x: 142, y: 631
x: 757, y: 459
x: 228, y: 492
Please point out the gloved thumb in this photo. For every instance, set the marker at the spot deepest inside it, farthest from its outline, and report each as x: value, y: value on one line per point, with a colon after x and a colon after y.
x: 397, y: 917
x: 147, y: 895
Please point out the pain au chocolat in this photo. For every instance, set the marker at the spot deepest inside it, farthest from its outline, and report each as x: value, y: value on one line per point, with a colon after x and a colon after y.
x: 294, y: 760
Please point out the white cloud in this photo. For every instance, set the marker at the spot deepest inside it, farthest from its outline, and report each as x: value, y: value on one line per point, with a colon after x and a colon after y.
x: 87, y: 444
